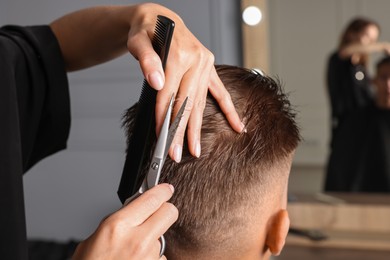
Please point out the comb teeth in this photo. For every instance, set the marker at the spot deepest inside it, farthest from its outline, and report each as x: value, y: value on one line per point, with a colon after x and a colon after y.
x: 159, y: 36
x: 143, y: 135
x: 148, y: 94
x: 162, y: 37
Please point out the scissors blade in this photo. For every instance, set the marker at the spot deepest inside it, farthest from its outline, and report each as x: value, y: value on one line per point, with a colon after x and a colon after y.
x: 157, y: 160
x: 173, y: 127
x: 163, y: 143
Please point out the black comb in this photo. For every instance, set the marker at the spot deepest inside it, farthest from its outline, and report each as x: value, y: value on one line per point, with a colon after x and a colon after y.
x: 143, y: 135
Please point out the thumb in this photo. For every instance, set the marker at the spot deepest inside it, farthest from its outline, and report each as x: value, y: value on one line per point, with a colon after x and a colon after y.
x: 140, y: 46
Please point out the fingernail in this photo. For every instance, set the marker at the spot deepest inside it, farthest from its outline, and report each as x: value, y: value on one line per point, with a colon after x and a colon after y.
x: 197, y: 149
x: 171, y: 187
x: 156, y: 80
x: 177, y: 153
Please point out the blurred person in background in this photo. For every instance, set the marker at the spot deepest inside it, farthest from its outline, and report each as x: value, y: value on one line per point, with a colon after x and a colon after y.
x: 348, y: 82
x: 360, y: 158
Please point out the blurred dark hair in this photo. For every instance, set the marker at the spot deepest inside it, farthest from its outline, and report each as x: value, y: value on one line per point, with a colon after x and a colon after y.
x: 355, y: 27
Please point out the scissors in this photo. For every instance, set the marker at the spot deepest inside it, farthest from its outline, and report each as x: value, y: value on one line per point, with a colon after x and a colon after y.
x: 164, y: 141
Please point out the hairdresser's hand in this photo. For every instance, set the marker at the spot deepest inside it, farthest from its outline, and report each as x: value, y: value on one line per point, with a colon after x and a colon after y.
x: 133, y: 231
x: 189, y: 72
x: 95, y: 35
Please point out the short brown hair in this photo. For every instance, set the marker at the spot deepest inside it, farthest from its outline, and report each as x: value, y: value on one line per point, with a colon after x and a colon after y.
x: 210, y: 189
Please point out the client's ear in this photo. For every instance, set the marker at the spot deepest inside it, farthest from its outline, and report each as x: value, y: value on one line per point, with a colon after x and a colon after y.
x: 277, y: 232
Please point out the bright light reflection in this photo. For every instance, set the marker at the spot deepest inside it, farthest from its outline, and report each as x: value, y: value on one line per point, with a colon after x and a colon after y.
x: 252, y: 15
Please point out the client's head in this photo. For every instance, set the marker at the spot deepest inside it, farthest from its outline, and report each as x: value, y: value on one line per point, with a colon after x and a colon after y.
x: 232, y: 199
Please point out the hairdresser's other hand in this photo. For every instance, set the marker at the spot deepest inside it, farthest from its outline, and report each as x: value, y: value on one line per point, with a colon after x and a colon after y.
x: 189, y: 73
x: 132, y: 232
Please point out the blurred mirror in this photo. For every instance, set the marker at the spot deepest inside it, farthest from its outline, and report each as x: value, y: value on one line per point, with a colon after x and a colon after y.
x: 301, y: 36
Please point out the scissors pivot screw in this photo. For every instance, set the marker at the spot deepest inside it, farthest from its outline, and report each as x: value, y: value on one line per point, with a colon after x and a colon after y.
x: 154, y: 166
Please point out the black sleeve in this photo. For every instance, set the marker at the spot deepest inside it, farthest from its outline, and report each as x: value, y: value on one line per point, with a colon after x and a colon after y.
x: 34, y: 120
x: 42, y: 90
x: 340, y: 85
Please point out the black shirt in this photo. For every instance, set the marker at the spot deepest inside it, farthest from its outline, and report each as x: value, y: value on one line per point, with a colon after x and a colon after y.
x: 360, y: 158
x: 348, y: 88
x: 34, y: 120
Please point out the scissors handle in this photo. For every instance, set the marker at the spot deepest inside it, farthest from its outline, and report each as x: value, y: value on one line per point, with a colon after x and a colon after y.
x: 163, y: 243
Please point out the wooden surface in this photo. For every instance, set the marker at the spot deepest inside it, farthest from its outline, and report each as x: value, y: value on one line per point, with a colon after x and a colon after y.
x: 304, y: 253
x: 350, y: 221
x: 379, y: 241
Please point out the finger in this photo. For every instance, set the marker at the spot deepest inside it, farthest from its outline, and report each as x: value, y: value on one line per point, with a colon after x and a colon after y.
x: 194, y: 126
x: 147, y: 204
x: 193, y: 85
x: 141, y: 245
x: 171, y: 87
x: 145, y: 249
x: 222, y: 96
x: 152, y: 229
x: 161, y: 220
x: 175, y: 84
x: 140, y: 46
